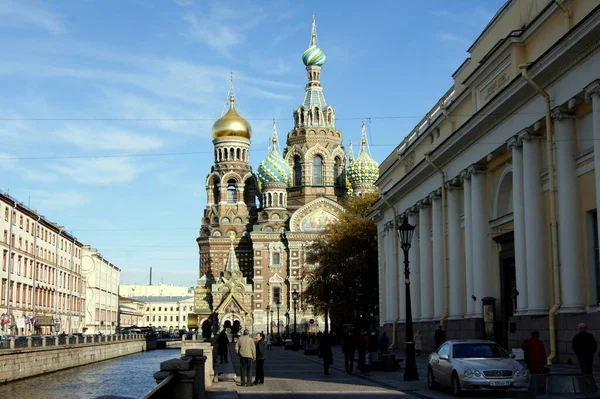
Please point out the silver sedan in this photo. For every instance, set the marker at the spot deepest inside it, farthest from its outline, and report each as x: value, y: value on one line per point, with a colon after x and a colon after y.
x: 474, y: 365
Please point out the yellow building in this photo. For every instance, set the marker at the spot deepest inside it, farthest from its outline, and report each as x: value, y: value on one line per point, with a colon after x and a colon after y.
x: 505, y: 162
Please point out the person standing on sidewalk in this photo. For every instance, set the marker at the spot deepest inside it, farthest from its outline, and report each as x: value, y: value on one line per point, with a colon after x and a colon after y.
x: 222, y: 346
x: 534, y: 352
x: 261, y: 348
x: 584, y: 346
x: 349, y: 347
x: 363, y: 347
x: 246, y: 349
x: 418, y: 338
x: 269, y: 341
x: 326, y: 353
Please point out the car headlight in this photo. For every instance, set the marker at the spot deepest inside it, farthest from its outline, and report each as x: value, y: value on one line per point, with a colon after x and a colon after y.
x: 522, y: 373
x: 468, y: 373
x: 476, y: 373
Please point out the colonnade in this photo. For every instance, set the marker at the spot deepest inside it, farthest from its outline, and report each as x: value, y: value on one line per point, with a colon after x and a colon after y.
x: 471, y: 253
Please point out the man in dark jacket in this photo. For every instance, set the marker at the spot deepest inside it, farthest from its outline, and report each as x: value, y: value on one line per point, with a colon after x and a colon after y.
x: 349, y: 347
x: 584, y: 346
x: 325, y: 349
x: 222, y: 347
x: 261, y: 349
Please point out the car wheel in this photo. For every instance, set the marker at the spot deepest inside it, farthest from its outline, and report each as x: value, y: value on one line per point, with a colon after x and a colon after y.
x: 431, y: 384
x: 456, y: 391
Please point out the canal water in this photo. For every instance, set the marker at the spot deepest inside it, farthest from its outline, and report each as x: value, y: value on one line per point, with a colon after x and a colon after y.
x: 129, y: 376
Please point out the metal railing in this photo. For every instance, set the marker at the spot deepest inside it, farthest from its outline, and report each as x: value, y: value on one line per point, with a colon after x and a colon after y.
x: 35, y: 341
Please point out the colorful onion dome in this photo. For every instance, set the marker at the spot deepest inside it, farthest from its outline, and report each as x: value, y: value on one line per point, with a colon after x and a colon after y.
x: 274, y: 169
x: 363, y: 169
x: 231, y: 125
x: 313, y: 55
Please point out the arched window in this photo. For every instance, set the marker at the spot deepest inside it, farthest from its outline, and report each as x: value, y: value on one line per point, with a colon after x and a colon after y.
x: 297, y: 171
x: 216, y: 192
x: 337, y: 172
x: 317, y: 170
x: 231, y: 192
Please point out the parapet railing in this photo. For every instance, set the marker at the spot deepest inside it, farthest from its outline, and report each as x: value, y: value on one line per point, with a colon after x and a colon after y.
x: 182, y: 378
x: 25, y: 342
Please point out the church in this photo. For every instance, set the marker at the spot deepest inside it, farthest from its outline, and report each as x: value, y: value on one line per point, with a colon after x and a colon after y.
x: 257, y: 228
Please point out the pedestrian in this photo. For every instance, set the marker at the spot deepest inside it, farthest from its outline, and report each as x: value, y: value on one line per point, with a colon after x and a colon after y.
x: 534, y: 353
x: 349, y: 347
x: 439, y: 337
x: 269, y: 341
x: 261, y: 348
x: 325, y: 348
x: 363, y: 347
x: 384, y: 343
x: 584, y: 346
x: 246, y: 349
x: 373, y: 344
x: 418, y: 338
x: 222, y: 346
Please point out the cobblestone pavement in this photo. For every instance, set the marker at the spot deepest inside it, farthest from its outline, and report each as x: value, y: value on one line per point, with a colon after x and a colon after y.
x: 291, y: 374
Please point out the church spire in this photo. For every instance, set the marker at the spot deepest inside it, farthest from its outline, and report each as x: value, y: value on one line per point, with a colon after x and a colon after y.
x: 232, y: 262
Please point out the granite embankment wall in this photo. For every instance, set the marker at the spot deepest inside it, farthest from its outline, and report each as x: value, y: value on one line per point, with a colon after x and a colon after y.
x: 29, y: 362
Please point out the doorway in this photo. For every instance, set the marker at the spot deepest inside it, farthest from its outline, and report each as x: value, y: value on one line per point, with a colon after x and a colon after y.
x: 508, y: 286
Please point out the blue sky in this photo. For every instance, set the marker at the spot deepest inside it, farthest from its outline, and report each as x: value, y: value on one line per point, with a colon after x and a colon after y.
x: 106, y: 107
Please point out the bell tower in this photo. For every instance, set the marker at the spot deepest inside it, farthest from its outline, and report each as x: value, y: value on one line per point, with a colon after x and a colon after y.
x: 314, y: 147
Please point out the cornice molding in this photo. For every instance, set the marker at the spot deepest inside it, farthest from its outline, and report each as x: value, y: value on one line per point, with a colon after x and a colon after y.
x: 593, y: 89
x: 559, y: 115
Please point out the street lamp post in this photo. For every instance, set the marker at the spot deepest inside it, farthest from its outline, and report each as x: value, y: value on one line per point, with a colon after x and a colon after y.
x: 272, y: 322
x: 278, y: 305
x: 295, y: 301
x: 405, y: 231
x: 325, y: 277
x: 267, y: 309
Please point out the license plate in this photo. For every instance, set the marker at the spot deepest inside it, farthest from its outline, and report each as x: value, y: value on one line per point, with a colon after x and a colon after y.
x: 499, y: 383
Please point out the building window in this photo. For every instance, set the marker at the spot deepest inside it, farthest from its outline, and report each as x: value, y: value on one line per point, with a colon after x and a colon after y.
x: 231, y: 192
x: 276, y: 258
x: 147, y: 318
x: 276, y: 295
x: 317, y: 170
x: 593, y: 256
x: 297, y: 171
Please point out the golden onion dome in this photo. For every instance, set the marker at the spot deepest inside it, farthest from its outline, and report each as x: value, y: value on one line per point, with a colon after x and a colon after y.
x: 231, y: 125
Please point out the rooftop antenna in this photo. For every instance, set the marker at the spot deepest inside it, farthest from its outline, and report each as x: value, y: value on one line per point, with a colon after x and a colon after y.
x: 150, y: 275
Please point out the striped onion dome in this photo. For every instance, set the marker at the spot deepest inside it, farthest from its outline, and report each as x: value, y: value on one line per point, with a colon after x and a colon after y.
x: 274, y: 169
x: 363, y: 168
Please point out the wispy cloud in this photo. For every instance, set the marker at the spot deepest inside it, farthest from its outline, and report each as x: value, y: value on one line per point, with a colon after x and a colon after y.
x: 211, y: 32
x: 108, y: 138
x: 43, y: 199
x: 98, y: 171
x: 449, y: 37
x: 8, y: 162
x: 475, y: 18
x: 25, y: 13
x: 184, y: 3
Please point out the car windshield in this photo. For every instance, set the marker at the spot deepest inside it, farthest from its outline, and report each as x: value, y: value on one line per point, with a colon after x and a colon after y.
x: 477, y: 350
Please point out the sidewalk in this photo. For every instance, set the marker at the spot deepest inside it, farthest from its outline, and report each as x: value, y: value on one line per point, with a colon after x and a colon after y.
x: 225, y: 387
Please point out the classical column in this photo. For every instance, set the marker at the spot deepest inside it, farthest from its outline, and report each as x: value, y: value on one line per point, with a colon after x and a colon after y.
x: 468, y: 239
x: 481, y: 239
x: 456, y: 267
x: 390, y: 273
x: 569, y: 227
x: 381, y: 269
x: 592, y: 93
x: 437, y: 229
x: 535, y: 234
x: 515, y: 144
x: 414, y: 256
x: 426, y: 261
